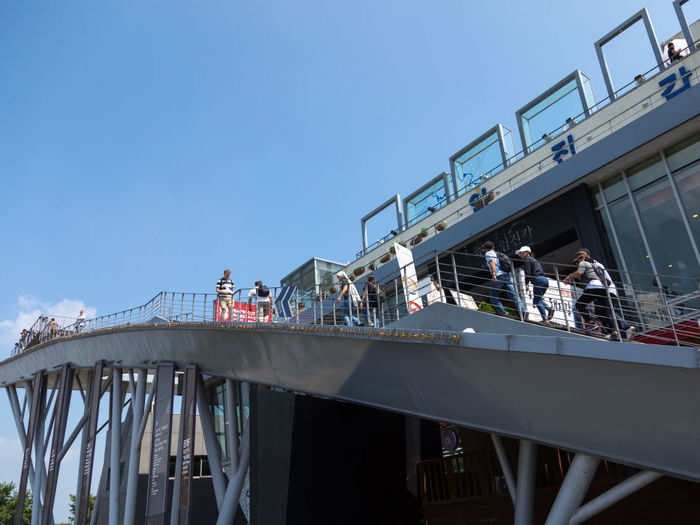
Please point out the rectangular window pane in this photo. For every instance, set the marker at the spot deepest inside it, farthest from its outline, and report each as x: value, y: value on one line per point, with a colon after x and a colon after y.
x: 430, y: 199
x: 549, y: 116
x: 478, y: 163
x: 688, y: 182
x: 614, y: 188
x: 667, y: 237
x: 646, y: 172
x: 631, y: 244
x: 684, y: 154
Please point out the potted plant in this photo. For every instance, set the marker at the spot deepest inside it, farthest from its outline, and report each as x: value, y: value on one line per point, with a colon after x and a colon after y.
x: 440, y: 226
x: 423, y: 233
x: 372, y: 266
x: 416, y: 240
x: 386, y: 258
x: 359, y: 271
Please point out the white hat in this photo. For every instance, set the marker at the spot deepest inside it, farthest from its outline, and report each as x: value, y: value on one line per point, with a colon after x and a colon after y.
x: 523, y: 249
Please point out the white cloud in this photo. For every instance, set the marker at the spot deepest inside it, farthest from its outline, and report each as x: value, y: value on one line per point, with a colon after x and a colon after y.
x: 28, y: 308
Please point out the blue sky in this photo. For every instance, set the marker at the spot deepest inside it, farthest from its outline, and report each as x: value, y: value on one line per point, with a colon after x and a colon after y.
x: 145, y: 146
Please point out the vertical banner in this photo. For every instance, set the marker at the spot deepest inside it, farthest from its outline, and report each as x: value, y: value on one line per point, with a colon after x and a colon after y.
x: 59, y: 433
x: 186, y: 444
x: 409, y: 278
x: 38, y: 389
x: 157, y: 495
x: 88, y: 453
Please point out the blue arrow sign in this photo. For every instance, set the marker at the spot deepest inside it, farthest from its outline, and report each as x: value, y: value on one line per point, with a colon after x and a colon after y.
x: 282, y: 303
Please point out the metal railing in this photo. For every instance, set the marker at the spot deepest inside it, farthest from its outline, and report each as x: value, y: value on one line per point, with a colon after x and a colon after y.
x: 668, y: 313
x: 522, y: 176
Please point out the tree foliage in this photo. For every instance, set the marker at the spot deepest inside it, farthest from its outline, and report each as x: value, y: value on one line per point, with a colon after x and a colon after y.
x: 72, y: 508
x: 8, y: 502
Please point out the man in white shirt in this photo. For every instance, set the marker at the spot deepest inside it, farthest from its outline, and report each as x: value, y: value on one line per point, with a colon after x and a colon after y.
x: 224, y: 290
x: 263, y: 301
x: 80, y: 321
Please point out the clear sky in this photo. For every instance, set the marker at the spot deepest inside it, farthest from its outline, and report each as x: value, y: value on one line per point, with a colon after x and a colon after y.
x: 147, y: 145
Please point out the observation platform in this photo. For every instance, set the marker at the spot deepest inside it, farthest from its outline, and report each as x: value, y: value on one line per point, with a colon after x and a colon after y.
x: 632, y: 403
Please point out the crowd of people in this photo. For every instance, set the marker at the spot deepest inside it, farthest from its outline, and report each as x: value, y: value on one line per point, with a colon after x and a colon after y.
x: 46, y: 328
x: 598, y: 302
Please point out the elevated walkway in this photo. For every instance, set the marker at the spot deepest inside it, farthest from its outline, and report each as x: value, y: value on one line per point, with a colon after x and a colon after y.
x: 631, y: 403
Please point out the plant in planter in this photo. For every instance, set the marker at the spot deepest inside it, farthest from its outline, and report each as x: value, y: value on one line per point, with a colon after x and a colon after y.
x: 359, y: 271
x: 440, y: 226
x: 372, y: 266
x: 333, y: 289
x: 423, y: 233
x: 416, y: 240
x: 386, y: 258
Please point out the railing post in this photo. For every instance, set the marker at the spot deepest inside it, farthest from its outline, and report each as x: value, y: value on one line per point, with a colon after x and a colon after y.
x: 320, y: 307
x: 612, y: 307
x: 670, y: 315
x: 454, y: 269
x: 193, y: 297
x: 396, y: 295
x: 561, y: 298
x: 516, y: 291
x: 437, y: 269
x: 297, y: 304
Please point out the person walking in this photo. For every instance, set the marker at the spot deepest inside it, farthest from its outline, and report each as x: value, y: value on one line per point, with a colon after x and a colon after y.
x: 535, y: 274
x: 352, y: 299
x: 501, y: 280
x: 595, y: 292
x: 80, y: 321
x: 224, y: 294
x: 370, y: 300
x: 263, y: 301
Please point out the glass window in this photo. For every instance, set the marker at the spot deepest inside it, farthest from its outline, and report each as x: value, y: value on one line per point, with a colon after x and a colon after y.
x: 428, y: 200
x: 688, y: 183
x: 631, y: 243
x: 478, y: 163
x: 684, y: 154
x: 646, y: 172
x: 614, y: 188
x: 667, y: 236
x: 549, y: 116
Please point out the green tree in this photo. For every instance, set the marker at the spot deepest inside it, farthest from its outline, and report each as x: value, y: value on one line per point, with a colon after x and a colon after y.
x: 8, y: 502
x: 71, y: 508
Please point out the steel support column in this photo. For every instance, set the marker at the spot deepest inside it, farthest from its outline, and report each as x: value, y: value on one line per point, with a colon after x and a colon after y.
x: 39, y: 454
x: 233, y: 491
x: 36, y: 405
x: 211, y: 443
x: 87, y: 452
x: 61, y: 409
x: 135, y: 448
x: 157, y: 495
x: 115, y: 418
x: 525, y: 489
x: 573, y: 489
x: 505, y: 466
x: 613, y: 495
x: 231, y: 423
x: 182, y: 488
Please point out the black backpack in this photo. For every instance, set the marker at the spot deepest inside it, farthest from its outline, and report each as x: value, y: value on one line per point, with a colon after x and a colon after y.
x: 504, y: 262
x: 263, y: 291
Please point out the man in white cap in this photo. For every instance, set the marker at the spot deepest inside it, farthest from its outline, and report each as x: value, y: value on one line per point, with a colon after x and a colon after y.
x: 535, y: 274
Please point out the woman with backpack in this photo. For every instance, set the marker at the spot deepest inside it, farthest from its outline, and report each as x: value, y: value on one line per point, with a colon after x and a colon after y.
x: 595, y: 291
x: 500, y: 266
x: 351, y: 303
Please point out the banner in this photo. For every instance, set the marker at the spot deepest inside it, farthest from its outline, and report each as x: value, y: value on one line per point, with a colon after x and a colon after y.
x: 239, y: 313
x: 409, y: 278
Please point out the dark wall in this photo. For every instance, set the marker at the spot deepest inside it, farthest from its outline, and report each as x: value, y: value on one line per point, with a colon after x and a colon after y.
x: 344, y: 464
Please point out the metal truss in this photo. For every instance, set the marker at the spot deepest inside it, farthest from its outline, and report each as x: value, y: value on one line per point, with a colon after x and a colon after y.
x: 41, y: 418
